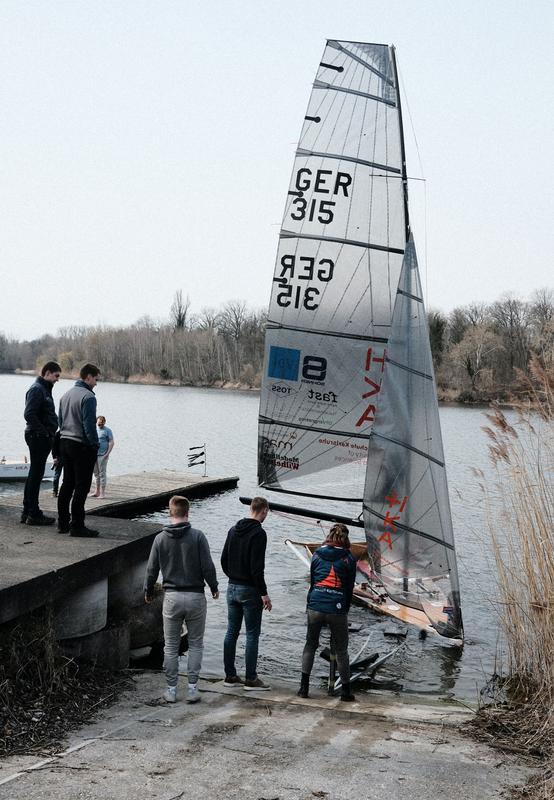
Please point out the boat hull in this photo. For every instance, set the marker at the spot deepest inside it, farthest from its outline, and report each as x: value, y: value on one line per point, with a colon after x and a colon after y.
x: 371, y: 594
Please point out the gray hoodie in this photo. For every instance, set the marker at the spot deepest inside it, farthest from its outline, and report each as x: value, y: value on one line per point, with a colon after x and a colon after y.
x: 182, y: 554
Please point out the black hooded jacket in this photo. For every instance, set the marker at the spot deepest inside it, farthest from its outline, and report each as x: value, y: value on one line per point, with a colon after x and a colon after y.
x: 243, y: 556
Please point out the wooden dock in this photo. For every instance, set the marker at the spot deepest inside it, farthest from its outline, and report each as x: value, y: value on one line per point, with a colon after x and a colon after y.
x: 87, y: 578
x: 136, y: 493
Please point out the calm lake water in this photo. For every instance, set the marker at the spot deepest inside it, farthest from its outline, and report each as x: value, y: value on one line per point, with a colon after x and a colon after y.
x: 154, y: 426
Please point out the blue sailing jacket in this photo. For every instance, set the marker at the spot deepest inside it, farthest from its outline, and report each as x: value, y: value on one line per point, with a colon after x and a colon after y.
x: 332, y: 577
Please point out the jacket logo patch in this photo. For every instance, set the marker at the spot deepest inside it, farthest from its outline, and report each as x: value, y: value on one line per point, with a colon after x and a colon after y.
x: 332, y: 581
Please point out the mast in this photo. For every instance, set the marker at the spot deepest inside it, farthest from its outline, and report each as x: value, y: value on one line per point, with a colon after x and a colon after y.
x: 402, y: 145
x: 407, y: 224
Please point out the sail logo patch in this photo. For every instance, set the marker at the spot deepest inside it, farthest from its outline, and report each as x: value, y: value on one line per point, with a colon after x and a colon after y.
x: 284, y: 363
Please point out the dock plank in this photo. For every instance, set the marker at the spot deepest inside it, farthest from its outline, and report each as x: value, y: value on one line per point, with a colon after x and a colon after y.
x: 137, y: 493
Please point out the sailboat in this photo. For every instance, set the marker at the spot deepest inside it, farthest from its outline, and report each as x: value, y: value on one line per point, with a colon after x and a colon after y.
x: 348, y: 407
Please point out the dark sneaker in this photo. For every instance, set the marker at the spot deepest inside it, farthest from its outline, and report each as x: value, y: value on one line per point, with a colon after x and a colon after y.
x: 42, y: 520
x: 63, y: 528
x: 84, y: 532
x: 257, y: 685
x: 23, y: 518
x: 233, y: 680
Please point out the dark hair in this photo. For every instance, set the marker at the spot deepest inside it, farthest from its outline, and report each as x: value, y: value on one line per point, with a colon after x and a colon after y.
x: 258, y: 504
x: 88, y: 369
x: 338, y: 536
x: 179, y: 506
x: 50, y: 366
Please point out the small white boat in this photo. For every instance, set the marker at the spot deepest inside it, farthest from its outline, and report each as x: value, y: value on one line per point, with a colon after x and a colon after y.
x: 14, y: 470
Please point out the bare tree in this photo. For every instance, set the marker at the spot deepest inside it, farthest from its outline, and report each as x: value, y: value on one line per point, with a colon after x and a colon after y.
x: 179, y: 310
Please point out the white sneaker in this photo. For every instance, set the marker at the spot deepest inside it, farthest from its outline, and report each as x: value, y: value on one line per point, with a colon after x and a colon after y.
x: 193, y: 695
x: 170, y: 694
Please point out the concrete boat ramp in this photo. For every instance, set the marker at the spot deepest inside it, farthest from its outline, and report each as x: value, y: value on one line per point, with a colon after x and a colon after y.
x: 93, y: 586
x: 266, y: 746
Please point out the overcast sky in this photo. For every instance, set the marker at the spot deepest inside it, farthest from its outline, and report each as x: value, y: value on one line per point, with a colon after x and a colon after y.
x: 147, y: 146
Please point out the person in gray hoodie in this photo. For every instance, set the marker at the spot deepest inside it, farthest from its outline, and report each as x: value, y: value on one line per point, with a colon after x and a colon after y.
x: 182, y: 554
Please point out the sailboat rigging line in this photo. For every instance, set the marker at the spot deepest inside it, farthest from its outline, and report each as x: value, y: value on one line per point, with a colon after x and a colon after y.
x: 353, y: 242
x: 408, y: 369
x: 317, y: 496
x: 409, y: 529
x: 411, y: 296
x: 327, y: 431
x: 329, y: 86
x: 272, y: 325
x: 306, y: 512
x: 333, y: 43
x: 407, y: 446
x: 302, y: 152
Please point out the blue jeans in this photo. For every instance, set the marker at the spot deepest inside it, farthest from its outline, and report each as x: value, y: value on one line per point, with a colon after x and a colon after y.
x: 242, y: 602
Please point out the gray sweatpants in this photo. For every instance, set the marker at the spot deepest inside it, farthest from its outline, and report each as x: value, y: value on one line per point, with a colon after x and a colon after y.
x: 190, y: 607
x: 100, y: 471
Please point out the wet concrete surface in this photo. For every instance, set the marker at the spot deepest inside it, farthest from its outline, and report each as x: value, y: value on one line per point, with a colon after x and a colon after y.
x: 265, y: 746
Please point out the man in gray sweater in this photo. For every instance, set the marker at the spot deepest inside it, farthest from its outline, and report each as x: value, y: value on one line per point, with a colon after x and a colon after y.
x: 182, y: 554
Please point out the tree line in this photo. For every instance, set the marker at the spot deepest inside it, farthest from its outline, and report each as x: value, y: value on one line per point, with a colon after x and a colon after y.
x: 480, y: 351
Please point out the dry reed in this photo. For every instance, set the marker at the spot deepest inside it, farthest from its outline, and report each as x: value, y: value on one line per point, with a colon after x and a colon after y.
x: 522, y: 535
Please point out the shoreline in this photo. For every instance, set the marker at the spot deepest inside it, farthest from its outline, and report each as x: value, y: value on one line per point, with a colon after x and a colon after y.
x: 152, y: 380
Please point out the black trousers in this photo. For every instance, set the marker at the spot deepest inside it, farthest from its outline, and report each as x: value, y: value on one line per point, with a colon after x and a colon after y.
x: 78, y: 464
x: 338, y: 624
x: 39, y: 448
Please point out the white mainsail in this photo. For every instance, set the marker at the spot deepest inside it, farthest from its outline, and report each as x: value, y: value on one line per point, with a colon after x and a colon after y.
x: 338, y: 263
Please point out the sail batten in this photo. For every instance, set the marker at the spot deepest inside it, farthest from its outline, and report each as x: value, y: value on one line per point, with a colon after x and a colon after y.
x: 317, y: 332
x: 321, y: 85
x: 410, y: 529
x: 350, y: 159
x: 369, y: 245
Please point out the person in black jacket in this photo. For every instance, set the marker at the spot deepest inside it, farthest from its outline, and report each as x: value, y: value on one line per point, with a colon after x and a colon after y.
x: 332, y: 577
x: 243, y: 561
x: 42, y: 424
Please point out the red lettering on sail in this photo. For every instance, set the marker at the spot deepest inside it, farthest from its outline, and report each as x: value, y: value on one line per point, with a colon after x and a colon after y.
x: 376, y: 388
x: 385, y: 537
x: 370, y: 357
x: 369, y: 413
x: 389, y: 522
x: 393, y: 500
x: 366, y: 416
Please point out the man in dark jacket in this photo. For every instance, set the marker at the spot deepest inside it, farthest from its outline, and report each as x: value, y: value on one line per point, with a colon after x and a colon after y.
x: 182, y: 554
x: 243, y: 561
x: 42, y: 424
x: 78, y: 448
